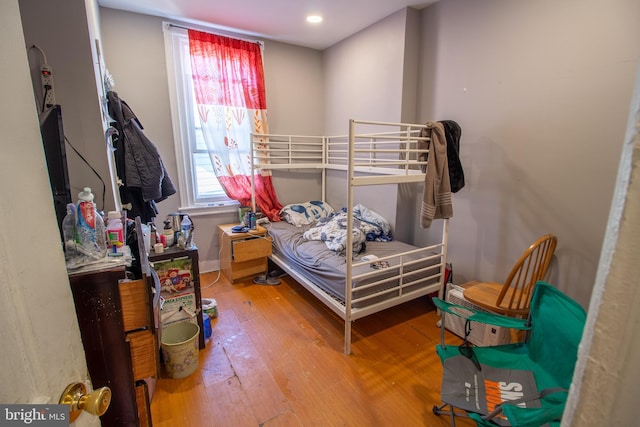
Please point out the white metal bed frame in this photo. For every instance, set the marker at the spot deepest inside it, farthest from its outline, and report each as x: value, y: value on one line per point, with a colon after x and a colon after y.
x: 372, y: 157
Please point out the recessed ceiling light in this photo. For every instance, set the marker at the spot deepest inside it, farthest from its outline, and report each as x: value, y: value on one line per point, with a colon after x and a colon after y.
x: 314, y: 19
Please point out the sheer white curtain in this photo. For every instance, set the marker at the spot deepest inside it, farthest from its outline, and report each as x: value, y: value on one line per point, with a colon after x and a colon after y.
x: 228, y: 81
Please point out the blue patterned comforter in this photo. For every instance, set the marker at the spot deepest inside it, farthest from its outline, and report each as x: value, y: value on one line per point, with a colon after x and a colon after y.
x: 367, y: 226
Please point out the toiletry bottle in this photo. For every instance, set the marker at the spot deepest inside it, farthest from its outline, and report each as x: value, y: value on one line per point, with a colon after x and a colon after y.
x: 115, y: 232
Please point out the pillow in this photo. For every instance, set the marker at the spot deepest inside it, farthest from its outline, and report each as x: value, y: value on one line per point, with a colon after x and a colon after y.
x: 306, y: 213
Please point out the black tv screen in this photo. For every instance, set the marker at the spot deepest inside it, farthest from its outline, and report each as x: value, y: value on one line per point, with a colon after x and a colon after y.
x: 54, y: 150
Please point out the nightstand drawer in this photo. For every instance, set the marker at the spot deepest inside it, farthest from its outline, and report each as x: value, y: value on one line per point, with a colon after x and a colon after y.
x: 251, y: 267
x: 143, y: 354
x: 134, y: 300
x: 248, y: 249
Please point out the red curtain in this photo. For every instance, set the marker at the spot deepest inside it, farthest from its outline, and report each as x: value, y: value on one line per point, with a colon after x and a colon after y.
x: 228, y: 80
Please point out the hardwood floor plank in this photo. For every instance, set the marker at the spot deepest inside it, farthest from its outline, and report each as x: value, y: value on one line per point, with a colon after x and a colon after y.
x: 180, y: 402
x: 286, y: 419
x: 249, y: 368
x: 276, y: 359
x: 229, y: 406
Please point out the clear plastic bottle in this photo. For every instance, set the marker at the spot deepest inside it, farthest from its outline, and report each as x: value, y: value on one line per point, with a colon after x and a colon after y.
x: 101, y: 234
x: 69, y: 225
x: 185, y: 227
x: 91, y: 234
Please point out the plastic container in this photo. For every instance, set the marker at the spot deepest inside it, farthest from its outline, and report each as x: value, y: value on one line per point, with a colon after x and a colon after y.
x: 91, y: 234
x: 252, y: 220
x: 206, y: 322
x: 69, y: 225
x: 168, y: 233
x: 168, y: 236
x: 210, y: 307
x: 180, y: 349
x: 146, y: 237
x: 115, y: 231
x: 243, y: 212
x: 155, y: 236
x: 101, y: 233
x: 185, y: 233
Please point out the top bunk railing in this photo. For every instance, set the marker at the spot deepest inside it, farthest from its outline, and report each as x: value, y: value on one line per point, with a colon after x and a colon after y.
x: 273, y: 151
x: 381, y: 152
x: 371, y: 148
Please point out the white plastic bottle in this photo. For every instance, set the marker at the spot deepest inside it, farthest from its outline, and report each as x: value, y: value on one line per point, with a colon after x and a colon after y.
x: 115, y: 232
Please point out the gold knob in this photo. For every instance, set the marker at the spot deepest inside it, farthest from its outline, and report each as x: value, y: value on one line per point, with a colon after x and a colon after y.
x: 96, y: 403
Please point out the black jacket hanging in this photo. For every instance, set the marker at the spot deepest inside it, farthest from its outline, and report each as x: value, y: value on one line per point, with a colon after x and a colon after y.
x: 452, y: 132
x: 144, y: 178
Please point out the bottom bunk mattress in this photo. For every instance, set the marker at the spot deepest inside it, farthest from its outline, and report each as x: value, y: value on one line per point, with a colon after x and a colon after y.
x: 398, y: 268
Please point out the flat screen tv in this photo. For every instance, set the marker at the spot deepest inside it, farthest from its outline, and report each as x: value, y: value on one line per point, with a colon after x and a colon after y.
x: 54, y: 150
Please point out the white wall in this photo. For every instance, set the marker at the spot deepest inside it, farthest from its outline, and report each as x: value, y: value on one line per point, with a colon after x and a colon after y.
x: 62, y: 30
x: 295, y: 89
x: 372, y: 75
x: 541, y: 91
x: 364, y: 75
x: 295, y: 103
x: 605, y: 384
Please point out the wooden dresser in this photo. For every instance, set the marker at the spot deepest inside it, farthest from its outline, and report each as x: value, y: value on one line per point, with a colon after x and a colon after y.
x: 243, y: 254
x: 118, y: 324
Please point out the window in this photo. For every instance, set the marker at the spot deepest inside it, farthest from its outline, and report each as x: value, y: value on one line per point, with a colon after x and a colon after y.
x: 198, y: 184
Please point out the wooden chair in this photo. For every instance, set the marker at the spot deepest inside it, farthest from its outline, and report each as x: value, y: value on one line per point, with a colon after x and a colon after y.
x: 512, y: 298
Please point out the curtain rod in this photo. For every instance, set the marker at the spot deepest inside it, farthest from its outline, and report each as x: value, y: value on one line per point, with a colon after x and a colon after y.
x: 170, y: 24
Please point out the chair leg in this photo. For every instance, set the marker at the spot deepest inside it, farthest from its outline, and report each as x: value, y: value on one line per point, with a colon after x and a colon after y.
x: 440, y: 410
x: 452, y: 417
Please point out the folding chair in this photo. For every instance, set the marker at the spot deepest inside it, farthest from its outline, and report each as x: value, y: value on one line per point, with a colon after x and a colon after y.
x: 517, y: 384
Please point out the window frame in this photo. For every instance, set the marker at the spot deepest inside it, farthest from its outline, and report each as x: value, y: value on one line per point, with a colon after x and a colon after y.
x: 182, y: 106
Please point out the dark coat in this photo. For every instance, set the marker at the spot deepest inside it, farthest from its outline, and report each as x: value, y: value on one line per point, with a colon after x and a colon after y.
x: 144, y: 178
x: 452, y: 132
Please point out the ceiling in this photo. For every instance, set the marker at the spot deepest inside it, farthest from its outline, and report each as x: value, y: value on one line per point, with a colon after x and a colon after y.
x: 280, y: 20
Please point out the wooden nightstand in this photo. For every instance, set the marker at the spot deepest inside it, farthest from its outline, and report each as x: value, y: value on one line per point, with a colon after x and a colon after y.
x: 243, y: 254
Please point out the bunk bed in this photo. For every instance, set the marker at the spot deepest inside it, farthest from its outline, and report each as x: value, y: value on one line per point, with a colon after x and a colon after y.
x: 354, y: 283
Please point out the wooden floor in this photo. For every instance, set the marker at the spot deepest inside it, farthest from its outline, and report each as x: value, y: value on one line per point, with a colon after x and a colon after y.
x: 275, y: 358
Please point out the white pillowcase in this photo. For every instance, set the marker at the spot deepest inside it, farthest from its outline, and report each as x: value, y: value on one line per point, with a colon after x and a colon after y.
x: 306, y: 213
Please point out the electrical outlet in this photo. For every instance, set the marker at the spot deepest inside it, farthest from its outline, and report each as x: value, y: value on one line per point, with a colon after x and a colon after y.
x: 48, y: 93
